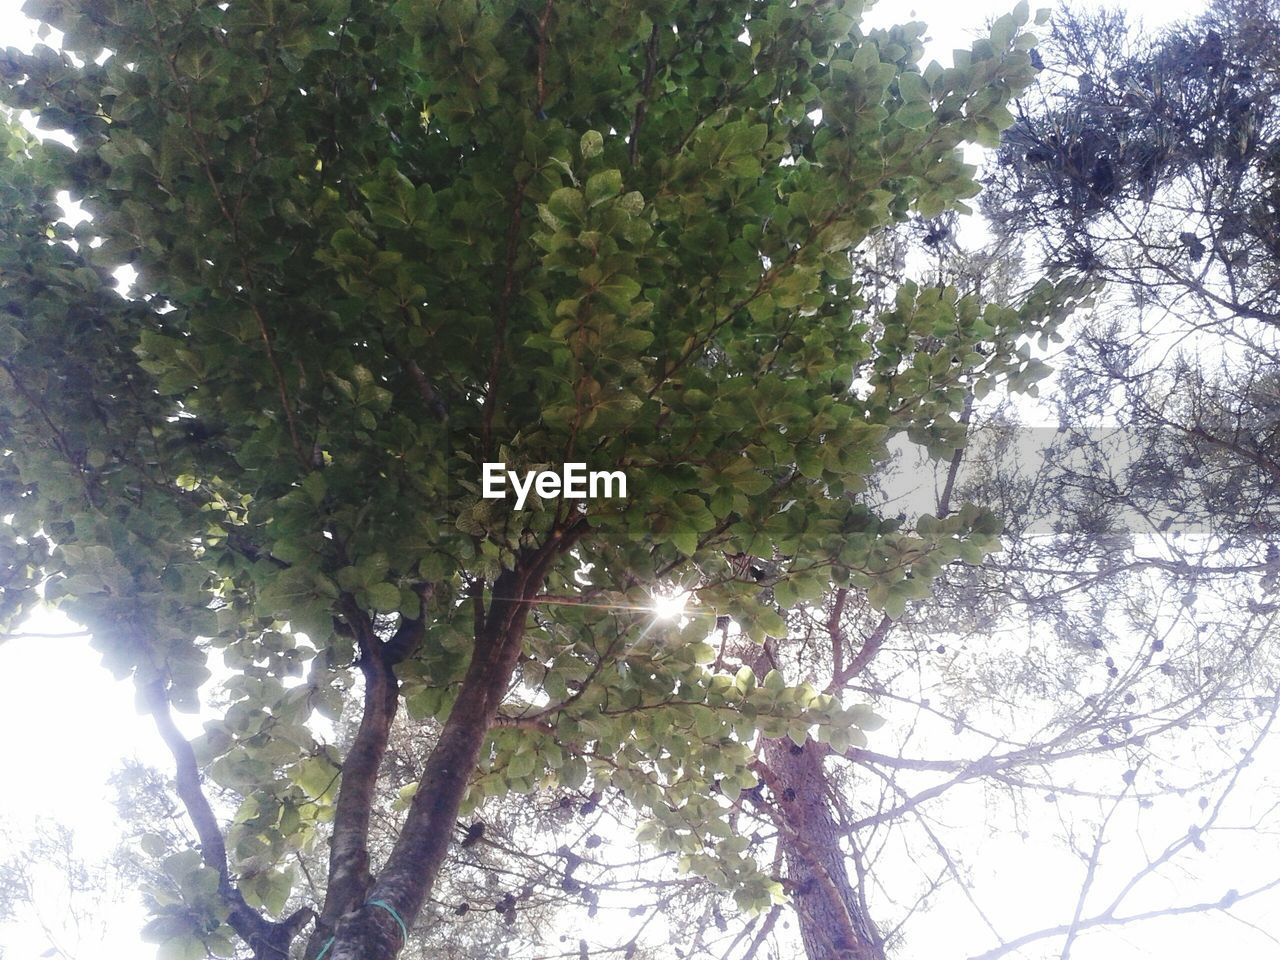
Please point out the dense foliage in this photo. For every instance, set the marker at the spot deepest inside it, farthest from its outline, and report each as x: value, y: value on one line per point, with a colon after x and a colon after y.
x: 379, y: 244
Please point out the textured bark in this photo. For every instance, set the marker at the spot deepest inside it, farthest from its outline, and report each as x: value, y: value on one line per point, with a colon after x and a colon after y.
x: 833, y: 925
x: 828, y: 909
x: 349, y: 878
x: 368, y: 931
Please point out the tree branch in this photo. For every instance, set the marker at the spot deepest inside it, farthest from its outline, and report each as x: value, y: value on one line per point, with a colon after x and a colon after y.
x: 268, y: 940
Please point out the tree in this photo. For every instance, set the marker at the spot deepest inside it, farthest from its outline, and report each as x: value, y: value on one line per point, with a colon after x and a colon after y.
x: 1151, y: 161
x: 1186, y: 231
x: 381, y: 244
x: 1138, y: 558
x: 46, y: 881
x: 1148, y: 549
x: 1076, y: 678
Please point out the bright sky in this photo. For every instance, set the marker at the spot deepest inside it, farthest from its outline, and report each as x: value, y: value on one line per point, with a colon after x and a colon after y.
x: 68, y: 725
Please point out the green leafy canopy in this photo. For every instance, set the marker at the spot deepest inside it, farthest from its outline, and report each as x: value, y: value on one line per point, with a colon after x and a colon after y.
x: 382, y: 243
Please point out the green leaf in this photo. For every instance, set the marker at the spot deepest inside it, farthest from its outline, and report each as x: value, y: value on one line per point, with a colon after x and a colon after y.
x: 895, y: 604
x: 685, y: 540
x: 913, y: 88
x: 864, y: 718
x: 521, y: 765
x: 603, y: 186
x: 702, y: 652
x: 385, y: 597
x: 619, y: 292
x: 986, y: 133
x: 771, y: 622
x: 573, y: 774
x: 1002, y: 31
x: 288, y: 590
x: 591, y: 145
x: 915, y: 115
x: 567, y: 205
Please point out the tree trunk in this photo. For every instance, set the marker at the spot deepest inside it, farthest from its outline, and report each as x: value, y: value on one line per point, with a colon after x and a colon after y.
x: 349, y: 877
x: 375, y: 929
x: 828, y: 908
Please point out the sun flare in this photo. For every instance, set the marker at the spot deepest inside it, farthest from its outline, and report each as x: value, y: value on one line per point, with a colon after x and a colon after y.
x: 670, y: 606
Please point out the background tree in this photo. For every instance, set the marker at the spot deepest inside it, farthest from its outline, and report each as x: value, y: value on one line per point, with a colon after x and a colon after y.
x: 1184, y: 234
x: 1139, y: 524
x: 382, y: 243
x: 1150, y: 160
x: 46, y: 881
x: 1139, y: 559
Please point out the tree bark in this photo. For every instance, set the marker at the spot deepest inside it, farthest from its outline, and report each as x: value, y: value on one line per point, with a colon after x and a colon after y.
x: 349, y: 878
x: 829, y: 911
x: 370, y: 930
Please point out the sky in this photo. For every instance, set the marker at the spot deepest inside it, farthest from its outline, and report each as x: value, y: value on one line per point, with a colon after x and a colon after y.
x: 68, y: 725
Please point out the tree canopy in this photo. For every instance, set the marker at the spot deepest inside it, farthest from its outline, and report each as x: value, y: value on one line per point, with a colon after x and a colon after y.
x: 379, y: 244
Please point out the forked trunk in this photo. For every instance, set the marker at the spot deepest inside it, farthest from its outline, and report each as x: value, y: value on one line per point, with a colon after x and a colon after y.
x: 375, y: 929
